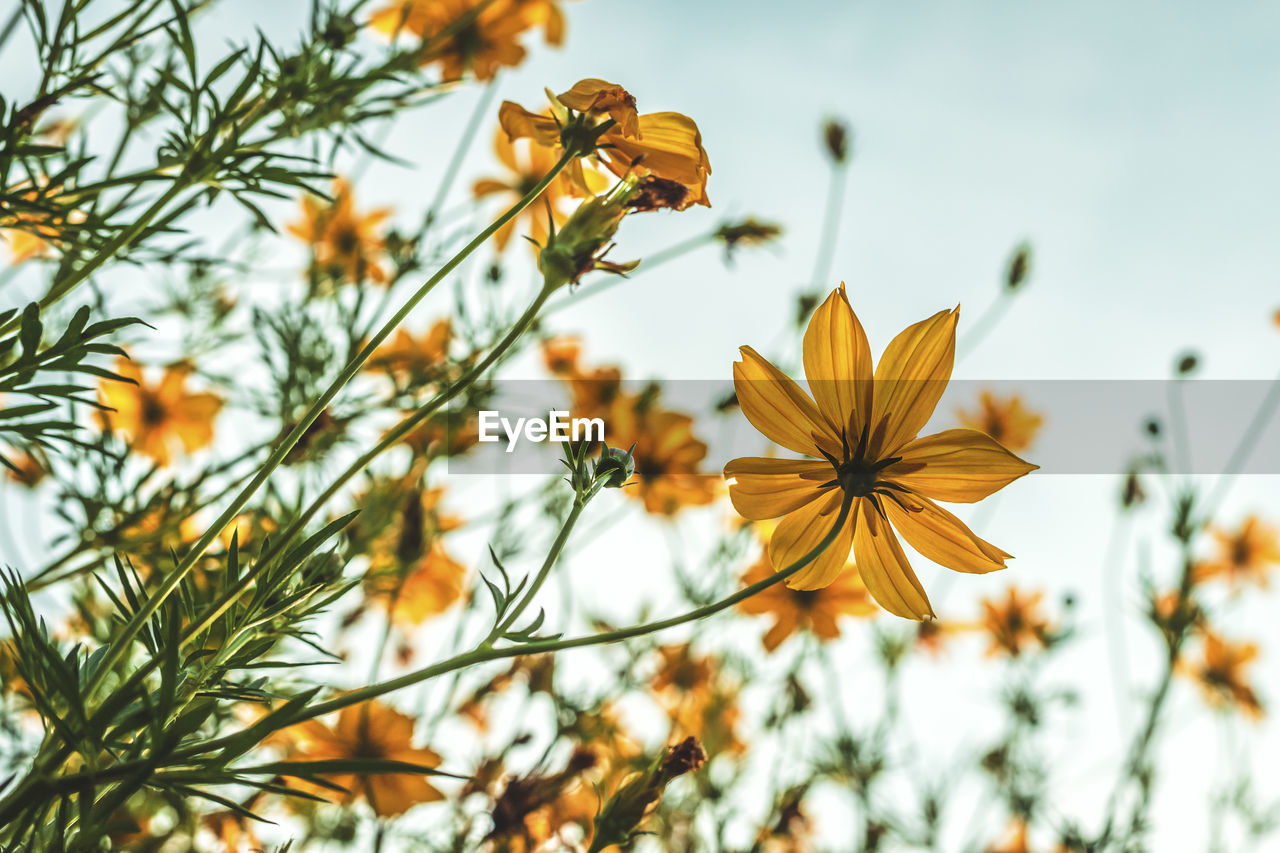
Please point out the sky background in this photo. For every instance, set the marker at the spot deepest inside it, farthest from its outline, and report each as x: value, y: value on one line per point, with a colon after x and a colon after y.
x: 1134, y: 148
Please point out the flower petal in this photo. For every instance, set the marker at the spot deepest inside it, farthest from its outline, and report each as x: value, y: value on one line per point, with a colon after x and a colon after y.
x: 910, y: 379
x: 768, y: 495
x: 884, y: 567
x: 519, y: 123
x: 801, y: 532
x: 600, y: 97
x: 956, y: 465
x: 779, y: 408
x: 940, y: 536
x: 837, y: 363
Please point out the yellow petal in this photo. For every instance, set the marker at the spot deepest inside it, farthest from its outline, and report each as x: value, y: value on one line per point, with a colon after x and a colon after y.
x: 666, y: 144
x: 943, y: 538
x: 837, y: 363
x: 519, y: 123
x: 600, y: 97
x: 885, y: 569
x: 768, y: 488
x: 779, y: 408
x: 801, y: 532
x: 910, y: 379
x: 956, y: 465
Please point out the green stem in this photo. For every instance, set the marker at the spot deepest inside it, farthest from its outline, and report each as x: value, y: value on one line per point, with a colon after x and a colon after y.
x: 830, y: 227
x: 482, y: 655
x: 579, y: 503
x: 119, y: 648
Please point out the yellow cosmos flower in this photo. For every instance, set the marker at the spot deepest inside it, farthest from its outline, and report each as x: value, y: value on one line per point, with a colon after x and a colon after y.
x: 1006, y: 420
x: 154, y: 416
x: 367, y: 731
x: 480, y: 36
x: 1015, y: 623
x: 1247, y: 555
x: 863, y: 426
x: 346, y: 243
x: 527, y: 163
x: 664, y: 149
x: 1220, y: 674
x: 815, y: 610
x: 413, y: 358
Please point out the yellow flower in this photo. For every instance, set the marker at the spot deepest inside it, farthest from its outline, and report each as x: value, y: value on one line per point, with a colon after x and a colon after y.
x: 1006, y: 420
x: 406, y: 356
x: 864, y: 427
x: 346, y: 244
x: 475, y: 35
x: 33, y: 225
x: 153, y: 416
x: 1244, y: 556
x: 816, y: 610
x: 367, y: 731
x: 699, y: 701
x: 1015, y: 623
x: 527, y: 164
x: 667, y: 456
x: 664, y: 150
x: 1220, y: 674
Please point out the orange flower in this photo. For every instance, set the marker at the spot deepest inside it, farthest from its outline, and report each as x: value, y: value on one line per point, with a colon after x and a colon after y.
x: 414, y: 358
x: 345, y: 244
x: 527, y: 163
x: 1004, y: 419
x: 667, y: 456
x: 430, y: 588
x: 932, y: 635
x: 663, y: 150
x: 560, y: 355
x: 475, y: 35
x: 1244, y: 556
x: 26, y: 469
x: 1015, y: 623
x: 1220, y: 674
x: 367, y: 731
x: 863, y: 426
x: 1015, y: 840
x: 699, y: 702
x: 815, y: 610
x: 153, y: 416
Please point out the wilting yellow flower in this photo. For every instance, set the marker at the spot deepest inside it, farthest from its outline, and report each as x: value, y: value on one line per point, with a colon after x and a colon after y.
x: 1004, y: 419
x: 1015, y: 623
x: 864, y: 427
x: 1220, y: 674
x: 1245, y: 556
x: 667, y: 456
x: 527, y: 163
x: 346, y: 243
x: 814, y: 610
x: 153, y: 416
x: 367, y: 731
x: 475, y: 35
x: 664, y: 149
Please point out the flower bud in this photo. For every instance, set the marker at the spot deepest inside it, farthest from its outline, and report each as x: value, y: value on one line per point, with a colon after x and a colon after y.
x: 615, y: 467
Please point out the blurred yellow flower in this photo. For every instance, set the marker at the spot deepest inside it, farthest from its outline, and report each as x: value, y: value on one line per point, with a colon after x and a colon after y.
x: 1245, y: 556
x: 479, y: 36
x: 698, y: 699
x: 1015, y: 623
x: 409, y: 357
x: 346, y: 244
x: 367, y: 731
x: 34, y: 224
x: 815, y: 610
x: 667, y: 455
x: 864, y: 426
x: 155, y: 416
x: 1004, y: 419
x: 1220, y: 674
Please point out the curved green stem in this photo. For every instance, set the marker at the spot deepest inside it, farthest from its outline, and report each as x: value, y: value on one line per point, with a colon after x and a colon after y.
x: 482, y: 654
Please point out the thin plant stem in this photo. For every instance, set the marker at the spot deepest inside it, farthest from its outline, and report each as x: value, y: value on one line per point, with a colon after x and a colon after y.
x: 121, y: 644
x: 484, y: 654
x: 830, y: 226
x: 984, y: 325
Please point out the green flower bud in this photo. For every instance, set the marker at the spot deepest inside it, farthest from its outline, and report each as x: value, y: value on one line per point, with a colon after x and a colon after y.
x: 615, y: 466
